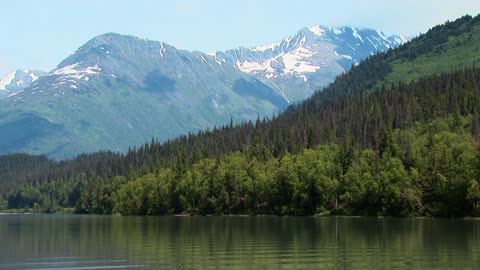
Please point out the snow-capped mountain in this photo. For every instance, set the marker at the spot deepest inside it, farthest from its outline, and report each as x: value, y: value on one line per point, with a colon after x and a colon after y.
x: 18, y: 80
x: 147, y: 64
x: 312, y: 58
x: 117, y: 91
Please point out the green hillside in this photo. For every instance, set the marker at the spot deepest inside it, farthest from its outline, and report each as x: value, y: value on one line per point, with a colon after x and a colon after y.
x: 461, y: 49
x: 411, y: 149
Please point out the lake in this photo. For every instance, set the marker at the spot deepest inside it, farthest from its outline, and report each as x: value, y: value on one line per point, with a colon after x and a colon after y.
x: 112, y: 242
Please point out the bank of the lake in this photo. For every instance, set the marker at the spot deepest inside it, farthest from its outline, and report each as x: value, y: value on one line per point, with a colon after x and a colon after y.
x: 71, y: 211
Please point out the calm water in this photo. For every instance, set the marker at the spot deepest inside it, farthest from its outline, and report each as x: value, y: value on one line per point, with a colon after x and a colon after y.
x: 106, y: 242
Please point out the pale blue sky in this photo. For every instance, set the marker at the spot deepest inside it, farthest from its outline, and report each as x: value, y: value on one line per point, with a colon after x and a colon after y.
x: 38, y: 34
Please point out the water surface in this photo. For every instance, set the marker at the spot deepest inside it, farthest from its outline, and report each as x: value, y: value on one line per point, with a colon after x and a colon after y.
x: 110, y: 242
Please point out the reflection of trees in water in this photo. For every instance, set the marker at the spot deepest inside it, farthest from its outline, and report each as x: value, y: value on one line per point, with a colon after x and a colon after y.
x: 243, y: 241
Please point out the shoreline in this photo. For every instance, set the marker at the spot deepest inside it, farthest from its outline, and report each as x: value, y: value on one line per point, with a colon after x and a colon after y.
x: 242, y: 215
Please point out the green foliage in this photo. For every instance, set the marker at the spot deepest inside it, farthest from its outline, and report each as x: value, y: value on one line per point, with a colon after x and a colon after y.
x: 410, y: 149
x: 458, y: 50
x: 446, y: 163
x: 3, y: 203
x: 438, y: 179
x: 473, y: 195
x: 358, y: 185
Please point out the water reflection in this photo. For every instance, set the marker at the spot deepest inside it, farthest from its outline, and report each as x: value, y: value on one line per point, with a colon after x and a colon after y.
x: 109, y: 242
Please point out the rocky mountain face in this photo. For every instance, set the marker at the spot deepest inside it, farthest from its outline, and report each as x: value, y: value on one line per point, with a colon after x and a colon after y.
x: 18, y: 80
x: 311, y: 59
x: 117, y: 91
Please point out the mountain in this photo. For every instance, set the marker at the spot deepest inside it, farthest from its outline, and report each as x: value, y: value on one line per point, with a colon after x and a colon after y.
x: 444, y: 48
x: 395, y: 136
x: 18, y: 80
x: 116, y: 91
x: 299, y: 65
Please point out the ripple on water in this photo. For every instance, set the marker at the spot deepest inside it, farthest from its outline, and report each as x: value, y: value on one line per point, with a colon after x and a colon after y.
x: 103, y: 242
x: 69, y: 263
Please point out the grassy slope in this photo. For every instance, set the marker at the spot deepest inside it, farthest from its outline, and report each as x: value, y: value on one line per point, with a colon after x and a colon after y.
x: 456, y: 53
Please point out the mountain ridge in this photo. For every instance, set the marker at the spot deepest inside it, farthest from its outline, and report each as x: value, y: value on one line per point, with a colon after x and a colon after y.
x: 120, y: 90
x: 303, y: 63
x: 255, y: 58
x: 117, y: 91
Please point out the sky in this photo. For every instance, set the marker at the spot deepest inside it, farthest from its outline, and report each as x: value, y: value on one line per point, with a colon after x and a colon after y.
x: 39, y: 34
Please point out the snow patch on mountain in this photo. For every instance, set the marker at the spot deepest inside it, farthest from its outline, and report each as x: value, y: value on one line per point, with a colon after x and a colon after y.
x: 7, y: 80
x: 71, y: 71
x: 18, y: 80
x: 295, y: 61
x: 265, y: 48
x: 317, y: 30
x: 16, y: 93
x: 253, y: 67
x: 337, y: 31
x: 356, y: 35
x: 343, y: 55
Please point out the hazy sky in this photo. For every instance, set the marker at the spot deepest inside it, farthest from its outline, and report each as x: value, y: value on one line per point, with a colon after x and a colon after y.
x: 38, y: 34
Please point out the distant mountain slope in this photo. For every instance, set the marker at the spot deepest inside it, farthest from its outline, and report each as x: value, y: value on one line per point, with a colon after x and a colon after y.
x: 18, y: 80
x: 312, y: 58
x: 117, y: 91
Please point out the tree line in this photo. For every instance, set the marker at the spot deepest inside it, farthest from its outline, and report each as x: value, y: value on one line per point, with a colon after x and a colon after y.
x: 315, y: 121
x: 409, y: 150
x: 366, y: 135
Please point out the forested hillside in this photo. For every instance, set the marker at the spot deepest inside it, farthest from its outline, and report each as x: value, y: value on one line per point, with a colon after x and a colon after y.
x: 359, y: 147
x: 409, y: 150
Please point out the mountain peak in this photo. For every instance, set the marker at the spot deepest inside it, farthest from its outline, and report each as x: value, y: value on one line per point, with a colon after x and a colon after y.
x: 317, y: 30
x: 112, y: 38
x: 18, y: 80
x: 111, y: 35
x: 300, y: 64
x: 113, y: 54
x: 108, y: 47
x: 125, y: 90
